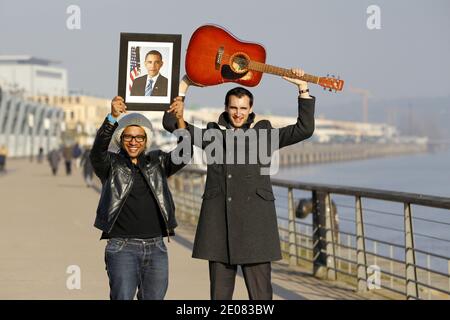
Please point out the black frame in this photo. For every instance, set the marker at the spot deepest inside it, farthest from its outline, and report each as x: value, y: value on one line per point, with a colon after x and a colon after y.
x: 124, y: 73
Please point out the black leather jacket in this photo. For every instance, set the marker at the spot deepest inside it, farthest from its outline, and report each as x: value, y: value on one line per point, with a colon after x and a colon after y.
x: 115, y: 173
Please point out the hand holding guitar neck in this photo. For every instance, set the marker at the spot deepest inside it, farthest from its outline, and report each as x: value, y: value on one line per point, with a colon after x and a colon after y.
x: 296, y: 78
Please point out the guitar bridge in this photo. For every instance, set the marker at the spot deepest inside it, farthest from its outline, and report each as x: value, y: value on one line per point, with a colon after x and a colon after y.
x: 219, y: 56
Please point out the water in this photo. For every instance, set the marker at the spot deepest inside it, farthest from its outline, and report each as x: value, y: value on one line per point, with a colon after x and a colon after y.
x: 422, y: 173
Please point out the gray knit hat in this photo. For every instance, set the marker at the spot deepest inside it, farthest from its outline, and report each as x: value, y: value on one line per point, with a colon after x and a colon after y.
x: 133, y: 119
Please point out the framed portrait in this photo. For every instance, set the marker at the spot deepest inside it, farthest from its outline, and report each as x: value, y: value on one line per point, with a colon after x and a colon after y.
x: 149, y: 70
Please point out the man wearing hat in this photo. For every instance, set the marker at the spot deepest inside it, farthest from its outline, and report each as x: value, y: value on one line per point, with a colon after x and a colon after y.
x: 136, y: 210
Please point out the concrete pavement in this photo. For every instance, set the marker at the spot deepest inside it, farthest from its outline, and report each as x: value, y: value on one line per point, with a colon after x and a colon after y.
x: 47, y: 226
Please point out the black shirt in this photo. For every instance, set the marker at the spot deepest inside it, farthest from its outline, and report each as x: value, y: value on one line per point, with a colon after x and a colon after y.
x: 140, y: 216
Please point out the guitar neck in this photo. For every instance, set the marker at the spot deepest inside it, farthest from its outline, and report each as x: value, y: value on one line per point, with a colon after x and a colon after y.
x: 267, y: 68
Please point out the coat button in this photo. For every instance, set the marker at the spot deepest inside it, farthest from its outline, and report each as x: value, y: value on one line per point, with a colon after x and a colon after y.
x: 229, y: 198
x: 229, y: 176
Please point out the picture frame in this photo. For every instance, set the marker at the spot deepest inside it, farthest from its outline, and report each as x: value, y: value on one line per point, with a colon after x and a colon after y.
x: 149, y: 70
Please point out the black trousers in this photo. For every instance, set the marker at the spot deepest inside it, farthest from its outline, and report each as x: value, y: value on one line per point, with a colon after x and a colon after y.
x: 257, y: 279
x: 68, y: 167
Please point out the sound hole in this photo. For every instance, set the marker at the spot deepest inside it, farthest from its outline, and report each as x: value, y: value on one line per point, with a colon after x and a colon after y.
x: 228, y: 73
x: 239, y: 63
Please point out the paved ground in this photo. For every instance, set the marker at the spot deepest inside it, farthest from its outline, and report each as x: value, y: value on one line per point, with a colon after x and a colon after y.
x: 46, y: 226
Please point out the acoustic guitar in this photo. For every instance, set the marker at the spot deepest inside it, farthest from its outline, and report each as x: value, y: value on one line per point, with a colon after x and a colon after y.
x: 215, y: 56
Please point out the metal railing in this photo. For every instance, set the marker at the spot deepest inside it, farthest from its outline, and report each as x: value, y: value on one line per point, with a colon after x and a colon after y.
x: 381, y: 244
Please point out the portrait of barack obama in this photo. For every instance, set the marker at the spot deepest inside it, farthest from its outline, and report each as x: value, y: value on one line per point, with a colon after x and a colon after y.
x: 152, y: 84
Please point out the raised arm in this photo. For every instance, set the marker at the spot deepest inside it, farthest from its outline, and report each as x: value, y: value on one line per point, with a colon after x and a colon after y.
x: 181, y: 155
x: 173, y: 118
x: 304, y: 127
x: 100, y: 157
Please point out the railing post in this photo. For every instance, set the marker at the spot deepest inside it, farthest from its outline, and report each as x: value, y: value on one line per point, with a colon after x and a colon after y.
x: 361, y: 258
x: 179, y: 200
x: 319, y: 235
x: 349, y: 253
x: 330, y: 241
x: 173, y: 185
x: 391, y: 264
x: 182, y: 195
x: 412, y: 291
x: 339, y: 251
x: 192, y: 200
x: 292, y: 229
x: 429, y: 275
x: 448, y: 273
x: 375, y: 251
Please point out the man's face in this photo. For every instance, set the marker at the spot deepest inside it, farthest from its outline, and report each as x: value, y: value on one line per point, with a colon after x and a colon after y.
x: 238, y: 110
x: 134, y: 141
x: 153, y: 63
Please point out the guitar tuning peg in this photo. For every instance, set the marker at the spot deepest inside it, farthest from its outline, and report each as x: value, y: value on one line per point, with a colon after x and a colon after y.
x: 328, y: 74
x: 330, y: 90
x: 324, y: 88
x: 333, y: 76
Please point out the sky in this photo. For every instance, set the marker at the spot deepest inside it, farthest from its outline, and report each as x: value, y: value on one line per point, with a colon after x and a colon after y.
x: 406, y: 58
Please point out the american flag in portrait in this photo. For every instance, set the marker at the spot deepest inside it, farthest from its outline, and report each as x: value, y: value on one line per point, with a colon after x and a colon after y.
x: 135, y: 66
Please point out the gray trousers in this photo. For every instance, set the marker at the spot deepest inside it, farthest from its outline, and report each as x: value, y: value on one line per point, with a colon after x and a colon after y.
x: 257, y: 279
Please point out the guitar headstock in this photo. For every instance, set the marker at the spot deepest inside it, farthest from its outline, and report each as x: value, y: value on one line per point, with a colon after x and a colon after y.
x: 331, y: 83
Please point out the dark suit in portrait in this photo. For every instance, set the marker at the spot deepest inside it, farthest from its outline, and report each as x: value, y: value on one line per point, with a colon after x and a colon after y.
x: 159, y: 88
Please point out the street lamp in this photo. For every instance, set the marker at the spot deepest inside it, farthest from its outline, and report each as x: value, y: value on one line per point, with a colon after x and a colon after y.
x: 31, y: 125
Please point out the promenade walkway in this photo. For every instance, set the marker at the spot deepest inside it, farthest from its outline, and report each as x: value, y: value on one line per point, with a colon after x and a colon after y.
x: 47, y: 226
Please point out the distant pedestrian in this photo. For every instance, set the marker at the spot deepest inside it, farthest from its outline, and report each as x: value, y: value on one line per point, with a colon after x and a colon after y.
x: 88, y: 170
x: 68, y: 156
x: 53, y: 158
x: 77, y: 152
x: 3, y: 156
x: 41, y: 155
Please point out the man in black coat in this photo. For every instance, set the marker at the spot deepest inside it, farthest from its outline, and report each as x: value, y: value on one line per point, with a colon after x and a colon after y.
x: 238, y: 223
x: 152, y: 84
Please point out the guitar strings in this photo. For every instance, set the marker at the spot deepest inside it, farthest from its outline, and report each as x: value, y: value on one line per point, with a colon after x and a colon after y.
x: 265, y: 68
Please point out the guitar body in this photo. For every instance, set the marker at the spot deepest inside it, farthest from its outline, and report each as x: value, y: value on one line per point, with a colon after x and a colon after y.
x: 214, y: 56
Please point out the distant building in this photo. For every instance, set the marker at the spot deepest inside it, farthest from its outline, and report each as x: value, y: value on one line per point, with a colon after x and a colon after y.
x: 326, y: 130
x: 25, y: 76
x: 27, y: 126
x: 83, y: 115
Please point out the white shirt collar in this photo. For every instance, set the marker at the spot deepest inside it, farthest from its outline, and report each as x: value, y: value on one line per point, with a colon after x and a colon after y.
x: 153, y: 78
